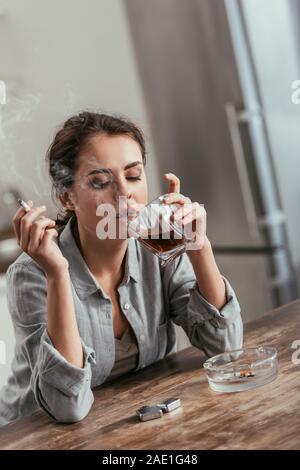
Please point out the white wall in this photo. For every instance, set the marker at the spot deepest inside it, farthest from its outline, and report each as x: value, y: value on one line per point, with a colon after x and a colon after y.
x: 56, y: 58
x: 276, y: 57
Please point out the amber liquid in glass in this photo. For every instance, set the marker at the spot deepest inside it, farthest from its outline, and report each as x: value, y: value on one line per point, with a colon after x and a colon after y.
x: 161, y: 244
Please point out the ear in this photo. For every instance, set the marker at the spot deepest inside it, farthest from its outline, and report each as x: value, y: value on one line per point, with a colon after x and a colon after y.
x: 66, y: 200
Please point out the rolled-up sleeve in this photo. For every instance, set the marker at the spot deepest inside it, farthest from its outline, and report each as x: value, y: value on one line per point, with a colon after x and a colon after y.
x: 212, y: 330
x: 60, y: 388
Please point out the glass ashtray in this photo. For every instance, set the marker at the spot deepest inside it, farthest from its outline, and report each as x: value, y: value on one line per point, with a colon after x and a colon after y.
x: 242, y: 369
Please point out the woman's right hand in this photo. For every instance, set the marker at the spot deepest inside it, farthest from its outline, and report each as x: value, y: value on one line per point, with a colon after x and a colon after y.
x: 35, y: 235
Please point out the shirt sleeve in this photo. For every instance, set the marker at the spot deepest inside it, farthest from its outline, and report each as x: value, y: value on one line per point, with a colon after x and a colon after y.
x: 209, y: 329
x: 61, y: 389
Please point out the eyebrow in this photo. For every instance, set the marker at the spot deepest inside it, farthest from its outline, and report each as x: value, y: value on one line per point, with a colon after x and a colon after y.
x: 108, y: 170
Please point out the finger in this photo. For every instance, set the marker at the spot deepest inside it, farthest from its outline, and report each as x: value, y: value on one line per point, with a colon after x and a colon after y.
x: 195, y: 221
x: 188, y: 218
x: 173, y: 198
x: 183, y: 211
x: 37, y: 232
x: 21, y: 210
x: 52, y: 225
x: 25, y: 225
x: 17, y: 220
x: 47, y: 239
x: 198, y: 212
x: 174, y: 182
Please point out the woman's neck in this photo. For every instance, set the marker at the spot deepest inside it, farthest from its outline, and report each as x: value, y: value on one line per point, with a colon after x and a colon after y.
x: 104, y: 258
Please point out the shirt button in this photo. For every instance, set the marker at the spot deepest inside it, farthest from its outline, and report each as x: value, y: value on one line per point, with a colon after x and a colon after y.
x: 142, y: 337
x: 126, y: 306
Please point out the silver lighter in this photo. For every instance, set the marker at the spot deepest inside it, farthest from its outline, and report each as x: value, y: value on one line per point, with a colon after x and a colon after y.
x: 148, y: 412
x: 170, y: 405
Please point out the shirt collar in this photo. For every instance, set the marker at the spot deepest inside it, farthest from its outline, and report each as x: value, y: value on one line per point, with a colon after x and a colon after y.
x: 84, y: 282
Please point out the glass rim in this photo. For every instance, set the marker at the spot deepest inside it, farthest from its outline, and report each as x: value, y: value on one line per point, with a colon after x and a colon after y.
x: 160, y: 199
x: 208, y: 364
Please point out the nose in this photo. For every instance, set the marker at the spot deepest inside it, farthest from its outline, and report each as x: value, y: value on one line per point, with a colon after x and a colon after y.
x: 121, y: 189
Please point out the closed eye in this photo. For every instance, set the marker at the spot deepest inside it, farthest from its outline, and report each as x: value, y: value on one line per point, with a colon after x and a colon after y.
x: 95, y: 184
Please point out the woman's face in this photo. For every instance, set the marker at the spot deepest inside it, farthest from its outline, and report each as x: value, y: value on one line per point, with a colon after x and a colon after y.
x: 108, y: 167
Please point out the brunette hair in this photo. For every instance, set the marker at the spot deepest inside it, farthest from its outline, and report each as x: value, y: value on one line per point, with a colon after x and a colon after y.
x: 71, y: 138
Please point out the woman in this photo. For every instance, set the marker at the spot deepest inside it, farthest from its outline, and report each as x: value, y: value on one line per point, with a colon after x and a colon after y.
x: 86, y: 309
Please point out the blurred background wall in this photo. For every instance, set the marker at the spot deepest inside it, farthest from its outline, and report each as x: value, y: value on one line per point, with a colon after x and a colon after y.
x: 58, y: 58
x: 218, y: 78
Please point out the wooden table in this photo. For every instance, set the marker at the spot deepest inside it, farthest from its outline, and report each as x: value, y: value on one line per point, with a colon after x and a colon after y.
x: 263, y: 418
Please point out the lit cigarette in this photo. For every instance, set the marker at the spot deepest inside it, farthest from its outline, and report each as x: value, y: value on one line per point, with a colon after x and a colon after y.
x: 24, y: 205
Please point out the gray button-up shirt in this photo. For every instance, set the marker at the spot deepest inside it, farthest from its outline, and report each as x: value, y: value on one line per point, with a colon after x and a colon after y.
x: 151, y: 297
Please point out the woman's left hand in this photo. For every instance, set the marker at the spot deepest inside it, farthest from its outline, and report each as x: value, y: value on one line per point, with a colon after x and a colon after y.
x: 191, y: 215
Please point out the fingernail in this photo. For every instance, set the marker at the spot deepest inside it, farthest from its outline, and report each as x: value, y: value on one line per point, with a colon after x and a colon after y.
x: 43, y: 207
